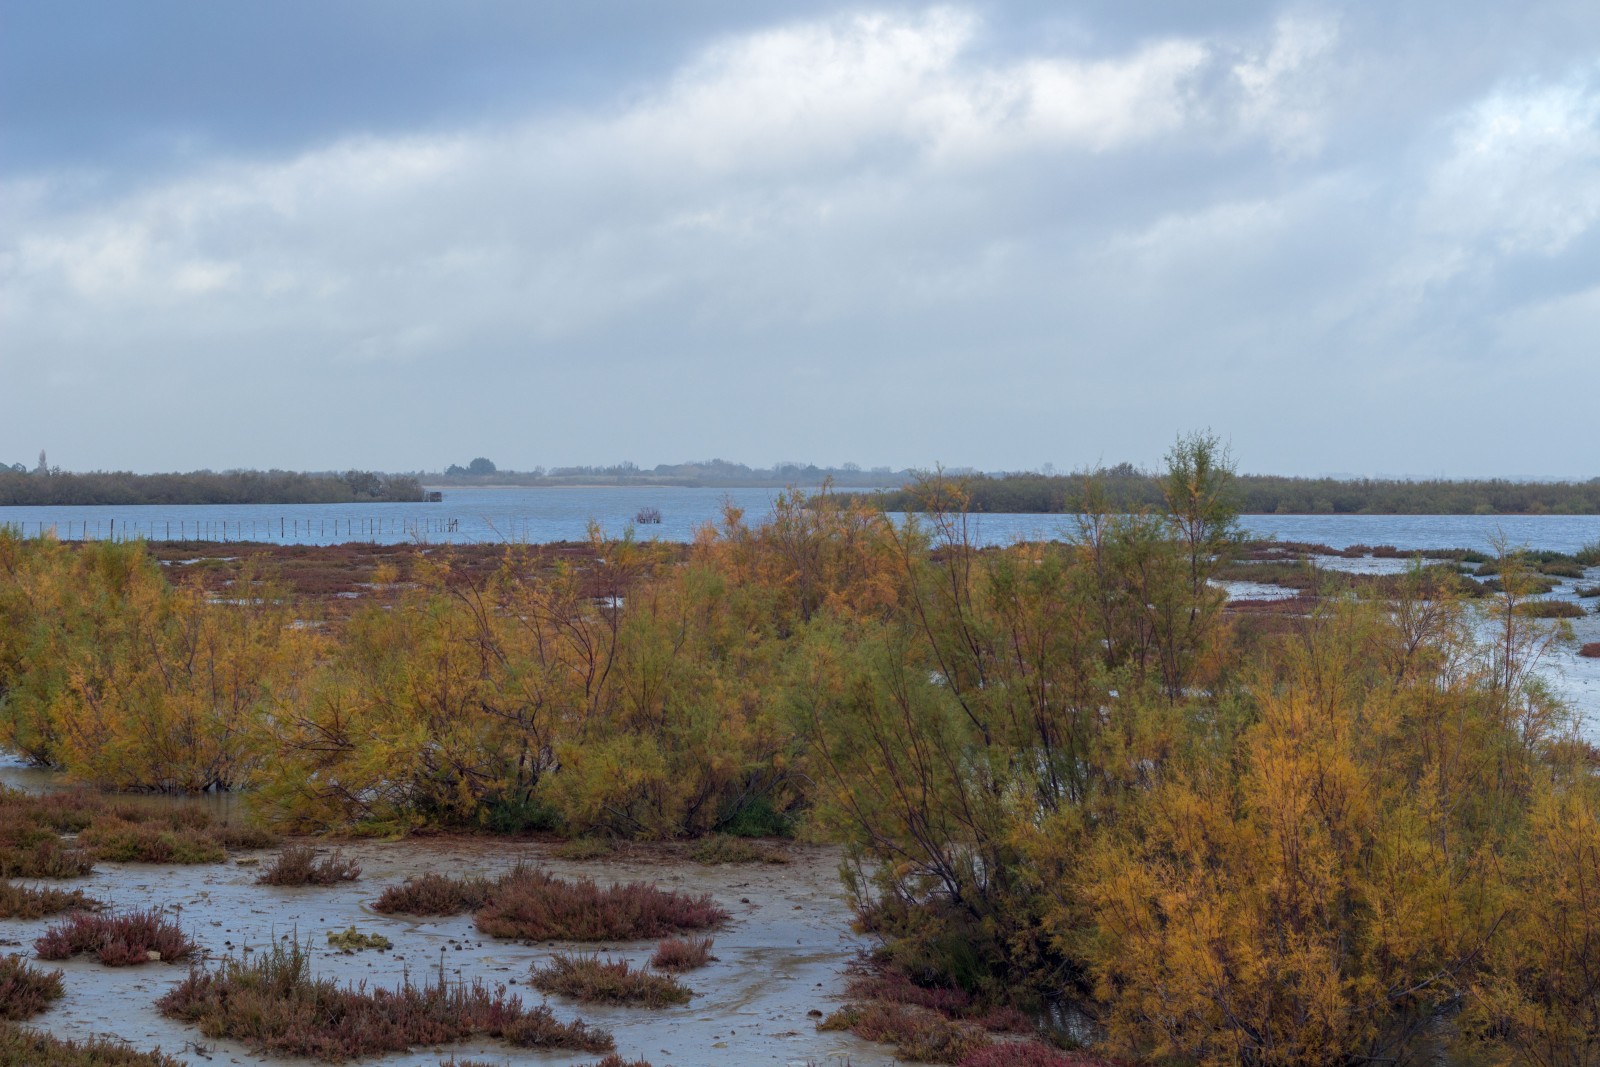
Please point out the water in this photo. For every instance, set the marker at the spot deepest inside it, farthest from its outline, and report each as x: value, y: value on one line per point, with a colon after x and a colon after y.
x: 539, y: 515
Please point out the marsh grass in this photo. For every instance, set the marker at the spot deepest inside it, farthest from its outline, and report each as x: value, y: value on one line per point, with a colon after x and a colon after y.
x: 592, y: 980
x: 678, y: 954
x: 529, y: 904
x: 271, y: 1003
x: 30, y: 1048
x: 434, y: 894
x: 1550, y: 609
x: 916, y: 1033
x: 879, y: 981
x: 298, y: 865
x: 721, y: 848
x: 116, y: 939
x: 25, y: 991
x: 1028, y: 1054
x: 109, y: 828
x: 25, y: 902
x: 44, y: 859
x: 116, y: 840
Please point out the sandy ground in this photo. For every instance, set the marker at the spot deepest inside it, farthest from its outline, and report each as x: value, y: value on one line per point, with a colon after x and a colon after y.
x: 780, y: 957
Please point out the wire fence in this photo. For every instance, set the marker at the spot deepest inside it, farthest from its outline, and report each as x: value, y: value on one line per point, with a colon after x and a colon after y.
x: 281, y: 529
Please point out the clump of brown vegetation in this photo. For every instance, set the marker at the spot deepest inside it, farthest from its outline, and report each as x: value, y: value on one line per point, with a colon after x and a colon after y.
x: 118, y: 841
x: 271, y: 1003
x: 299, y: 865
x: 112, y: 829
x: 43, y: 857
x: 614, y: 1060
x: 434, y: 894
x: 1591, y: 650
x: 117, y: 940
x: 1028, y: 1054
x: 593, y: 980
x: 532, y: 905
x: 678, y: 954
x: 24, y: 990
x: 27, y: 1048
x: 879, y: 980
x: 916, y: 1033
x: 1550, y: 609
x: 26, y: 902
x: 721, y: 848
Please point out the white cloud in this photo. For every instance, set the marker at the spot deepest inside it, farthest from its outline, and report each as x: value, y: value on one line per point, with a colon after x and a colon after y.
x: 1522, y: 172
x: 818, y: 215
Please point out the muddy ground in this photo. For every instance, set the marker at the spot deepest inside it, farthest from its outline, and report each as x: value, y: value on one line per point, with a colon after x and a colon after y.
x: 781, y: 956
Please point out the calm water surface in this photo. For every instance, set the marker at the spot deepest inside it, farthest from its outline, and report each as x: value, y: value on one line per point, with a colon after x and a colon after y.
x: 564, y: 514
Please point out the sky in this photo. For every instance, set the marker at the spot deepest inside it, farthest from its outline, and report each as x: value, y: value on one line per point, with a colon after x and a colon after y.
x: 1358, y: 238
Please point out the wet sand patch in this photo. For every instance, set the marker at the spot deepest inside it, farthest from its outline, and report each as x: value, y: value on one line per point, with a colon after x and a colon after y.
x: 782, y: 953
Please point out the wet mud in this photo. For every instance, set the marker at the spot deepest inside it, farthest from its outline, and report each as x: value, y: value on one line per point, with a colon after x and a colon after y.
x: 781, y: 956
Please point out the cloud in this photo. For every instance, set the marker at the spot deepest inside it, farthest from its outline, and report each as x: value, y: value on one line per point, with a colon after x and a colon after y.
x: 847, y: 213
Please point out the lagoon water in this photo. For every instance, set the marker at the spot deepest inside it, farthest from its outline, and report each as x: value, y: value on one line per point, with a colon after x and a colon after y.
x: 537, y: 515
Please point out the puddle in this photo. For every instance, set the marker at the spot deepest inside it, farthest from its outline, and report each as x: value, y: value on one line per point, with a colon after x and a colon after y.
x: 780, y: 956
x: 1255, y: 590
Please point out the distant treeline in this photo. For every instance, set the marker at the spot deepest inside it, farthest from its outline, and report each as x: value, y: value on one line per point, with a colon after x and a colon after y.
x: 1128, y: 489
x: 711, y: 472
x: 55, y: 487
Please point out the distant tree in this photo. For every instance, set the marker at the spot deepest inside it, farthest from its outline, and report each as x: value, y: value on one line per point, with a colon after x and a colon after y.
x: 455, y: 468
x: 363, y: 483
x: 481, y: 466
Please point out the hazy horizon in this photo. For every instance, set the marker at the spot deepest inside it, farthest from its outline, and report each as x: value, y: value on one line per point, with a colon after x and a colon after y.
x: 1347, y: 237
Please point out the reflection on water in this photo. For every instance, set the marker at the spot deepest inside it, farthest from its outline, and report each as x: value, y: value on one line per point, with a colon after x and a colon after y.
x: 228, y: 808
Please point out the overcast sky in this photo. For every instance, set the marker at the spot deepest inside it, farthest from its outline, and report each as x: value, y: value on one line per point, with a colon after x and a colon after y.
x: 1357, y: 238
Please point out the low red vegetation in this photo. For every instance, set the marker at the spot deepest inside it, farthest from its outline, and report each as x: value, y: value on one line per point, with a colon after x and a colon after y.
x: 119, y: 841
x: 682, y: 954
x: 272, y: 1004
x: 298, y: 865
x: 593, y: 980
x: 881, y: 983
x: 916, y: 1033
x: 26, y: 1048
x: 25, y: 902
x: 117, y: 940
x: 434, y: 894
x: 1028, y: 1054
x: 1592, y: 650
x: 532, y: 905
x: 24, y: 990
